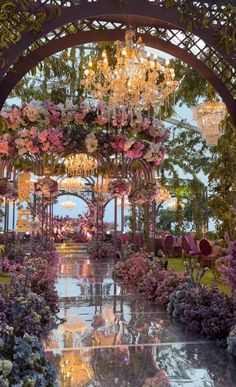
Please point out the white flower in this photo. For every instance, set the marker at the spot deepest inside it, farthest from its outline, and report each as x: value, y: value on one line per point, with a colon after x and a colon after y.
x: 91, y: 142
x: 5, y: 367
x: 153, y: 152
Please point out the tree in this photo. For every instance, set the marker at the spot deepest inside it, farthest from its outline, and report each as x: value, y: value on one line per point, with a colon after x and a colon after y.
x: 222, y: 181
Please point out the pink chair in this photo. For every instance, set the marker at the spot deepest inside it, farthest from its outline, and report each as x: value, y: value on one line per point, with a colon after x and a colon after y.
x: 194, y: 250
x: 169, y: 245
x: 206, y: 251
x: 187, y: 248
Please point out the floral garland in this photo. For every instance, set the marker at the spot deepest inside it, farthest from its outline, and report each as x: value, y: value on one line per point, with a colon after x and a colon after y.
x: 39, y: 128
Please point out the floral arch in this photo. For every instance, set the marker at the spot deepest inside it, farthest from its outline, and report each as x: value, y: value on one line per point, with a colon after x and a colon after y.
x: 180, y: 28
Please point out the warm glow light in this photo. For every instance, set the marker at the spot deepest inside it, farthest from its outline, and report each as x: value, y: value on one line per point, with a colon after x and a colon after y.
x: 71, y: 184
x: 208, y: 116
x: 102, y: 186
x: 81, y: 165
x: 136, y: 81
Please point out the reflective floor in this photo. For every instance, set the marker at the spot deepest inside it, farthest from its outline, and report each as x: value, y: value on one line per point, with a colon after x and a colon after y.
x: 113, y: 337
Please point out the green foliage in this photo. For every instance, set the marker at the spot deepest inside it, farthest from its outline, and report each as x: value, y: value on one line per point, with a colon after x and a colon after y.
x: 222, y: 181
x: 2, y: 249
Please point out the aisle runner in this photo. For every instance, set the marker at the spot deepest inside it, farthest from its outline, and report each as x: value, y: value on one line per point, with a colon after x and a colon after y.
x: 113, y: 337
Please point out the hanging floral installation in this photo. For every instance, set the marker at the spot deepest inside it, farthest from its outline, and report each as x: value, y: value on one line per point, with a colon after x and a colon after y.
x: 44, y: 128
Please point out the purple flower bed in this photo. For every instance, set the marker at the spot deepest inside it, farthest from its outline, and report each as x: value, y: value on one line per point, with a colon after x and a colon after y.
x: 149, y: 277
x: 201, y: 309
x: 28, y: 309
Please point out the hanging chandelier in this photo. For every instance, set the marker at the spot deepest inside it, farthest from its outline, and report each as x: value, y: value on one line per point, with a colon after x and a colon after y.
x: 71, y: 185
x: 137, y: 81
x: 162, y: 194
x: 81, y: 165
x: 68, y: 205
x: 209, y: 116
x: 102, y: 186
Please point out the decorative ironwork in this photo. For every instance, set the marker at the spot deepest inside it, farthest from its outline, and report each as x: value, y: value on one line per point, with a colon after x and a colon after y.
x: 198, y: 32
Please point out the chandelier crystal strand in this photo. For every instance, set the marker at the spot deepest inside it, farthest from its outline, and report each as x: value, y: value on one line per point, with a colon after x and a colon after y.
x: 102, y: 187
x: 81, y: 165
x: 136, y: 82
x: 72, y: 185
x: 208, y: 116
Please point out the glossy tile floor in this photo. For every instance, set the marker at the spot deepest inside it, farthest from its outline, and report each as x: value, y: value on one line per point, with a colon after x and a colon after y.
x: 113, y: 337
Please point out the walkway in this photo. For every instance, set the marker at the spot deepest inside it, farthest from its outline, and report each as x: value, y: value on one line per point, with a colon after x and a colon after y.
x: 114, y: 337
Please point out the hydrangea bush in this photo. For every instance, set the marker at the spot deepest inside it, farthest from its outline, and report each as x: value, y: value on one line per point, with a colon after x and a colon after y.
x: 201, y: 309
x: 27, y: 314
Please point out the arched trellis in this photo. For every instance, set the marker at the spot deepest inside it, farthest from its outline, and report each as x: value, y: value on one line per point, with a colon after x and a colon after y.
x: 161, y: 27
x: 82, y: 197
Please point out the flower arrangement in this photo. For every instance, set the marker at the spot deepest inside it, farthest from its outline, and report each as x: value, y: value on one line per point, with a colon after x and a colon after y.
x: 7, y: 190
x: 119, y: 143
x: 226, y: 265
x: 199, y: 308
x: 42, y: 128
x: 143, y: 194
x: 46, y: 187
x: 91, y: 142
x: 101, y: 250
x: 133, y: 149
x: 27, y: 314
x: 24, y: 362
x: 119, y: 188
x: 203, y: 310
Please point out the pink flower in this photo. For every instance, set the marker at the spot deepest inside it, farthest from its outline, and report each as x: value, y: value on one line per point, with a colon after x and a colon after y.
x: 80, y: 117
x: 43, y: 136
x: 135, y: 152
x: 119, y: 143
x: 100, y: 120
x: 34, y: 131
x: 4, y: 148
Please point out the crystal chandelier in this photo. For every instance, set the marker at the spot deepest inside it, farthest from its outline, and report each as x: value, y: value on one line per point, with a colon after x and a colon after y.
x: 72, y: 185
x: 208, y: 116
x: 137, y: 81
x: 81, y: 165
x: 162, y: 194
x: 102, y: 186
x: 68, y: 205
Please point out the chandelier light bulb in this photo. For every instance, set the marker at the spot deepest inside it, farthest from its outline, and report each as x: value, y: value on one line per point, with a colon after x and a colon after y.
x: 134, y: 81
x: 124, y: 52
x: 86, y: 72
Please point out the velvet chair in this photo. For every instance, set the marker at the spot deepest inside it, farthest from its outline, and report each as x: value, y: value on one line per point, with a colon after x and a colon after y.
x: 207, y: 252
x: 187, y: 248
x: 169, y: 245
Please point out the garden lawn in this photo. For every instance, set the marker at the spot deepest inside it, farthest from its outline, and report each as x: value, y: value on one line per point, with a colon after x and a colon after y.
x: 208, y: 279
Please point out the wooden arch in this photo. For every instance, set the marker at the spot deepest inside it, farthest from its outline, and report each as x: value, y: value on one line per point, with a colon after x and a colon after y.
x: 65, y: 23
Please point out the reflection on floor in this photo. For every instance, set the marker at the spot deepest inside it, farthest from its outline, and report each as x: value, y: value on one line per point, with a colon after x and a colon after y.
x: 113, y: 337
